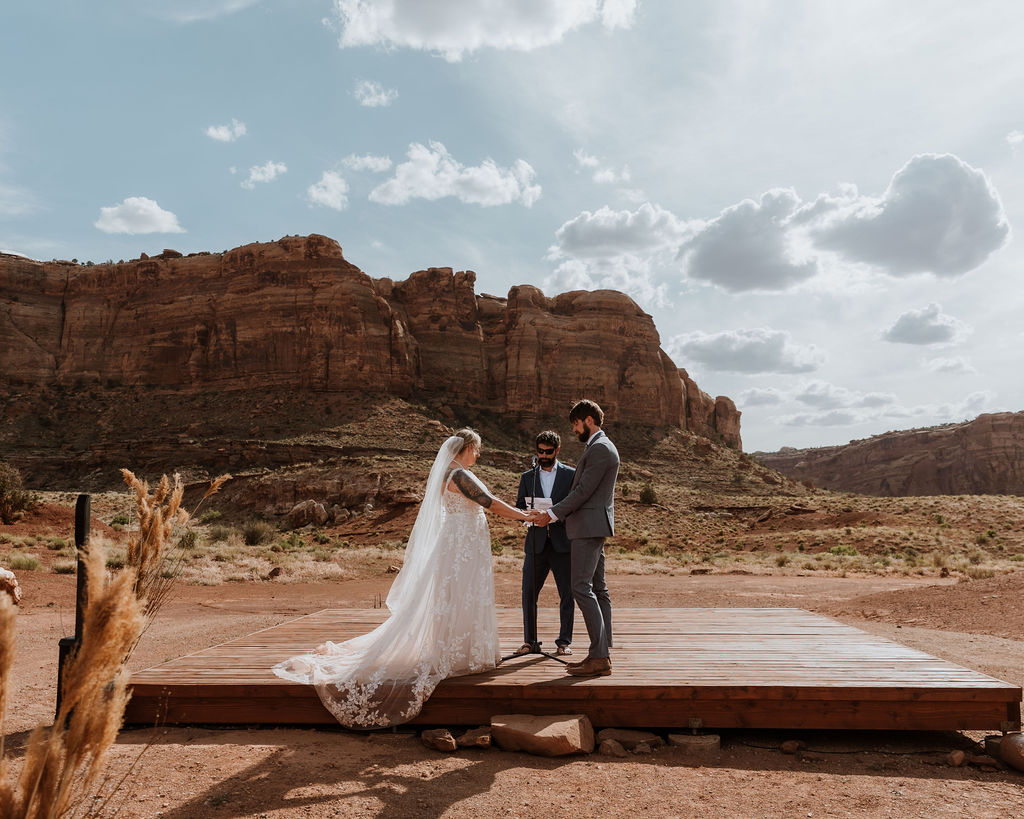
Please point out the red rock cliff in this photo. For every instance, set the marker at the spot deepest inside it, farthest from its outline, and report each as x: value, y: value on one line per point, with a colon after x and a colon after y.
x: 296, y: 314
x: 983, y: 456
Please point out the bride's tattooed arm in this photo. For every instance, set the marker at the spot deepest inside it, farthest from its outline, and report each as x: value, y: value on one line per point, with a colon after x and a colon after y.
x: 470, y: 486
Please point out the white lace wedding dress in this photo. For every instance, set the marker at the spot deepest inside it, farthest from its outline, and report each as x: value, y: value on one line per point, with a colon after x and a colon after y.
x: 442, y: 624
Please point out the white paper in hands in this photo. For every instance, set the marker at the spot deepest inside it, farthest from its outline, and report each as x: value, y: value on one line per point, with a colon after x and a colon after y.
x: 537, y: 504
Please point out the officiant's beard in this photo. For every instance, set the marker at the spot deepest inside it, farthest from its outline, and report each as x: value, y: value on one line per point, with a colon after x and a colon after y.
x: 546, y: 461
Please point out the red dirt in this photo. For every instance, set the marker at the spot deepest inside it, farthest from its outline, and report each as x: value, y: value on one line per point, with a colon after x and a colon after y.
x: 192, y: 772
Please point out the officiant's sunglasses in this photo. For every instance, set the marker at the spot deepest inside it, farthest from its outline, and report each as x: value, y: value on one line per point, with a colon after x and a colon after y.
x: 543, y: 450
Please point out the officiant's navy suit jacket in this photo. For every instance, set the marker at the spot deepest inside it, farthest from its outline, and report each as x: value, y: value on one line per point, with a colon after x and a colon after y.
x: 556, y: 531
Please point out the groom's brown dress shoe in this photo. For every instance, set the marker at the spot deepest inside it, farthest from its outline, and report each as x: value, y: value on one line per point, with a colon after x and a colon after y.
x: 591, y: 667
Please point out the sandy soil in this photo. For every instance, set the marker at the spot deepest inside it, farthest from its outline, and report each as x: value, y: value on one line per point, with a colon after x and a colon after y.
x: 192, y: 772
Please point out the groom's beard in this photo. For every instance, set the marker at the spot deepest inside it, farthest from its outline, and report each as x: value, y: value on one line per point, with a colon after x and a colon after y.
x: 584, y: 436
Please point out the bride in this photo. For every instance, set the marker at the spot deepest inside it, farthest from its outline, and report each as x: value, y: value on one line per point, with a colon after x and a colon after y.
x: 442, y: 621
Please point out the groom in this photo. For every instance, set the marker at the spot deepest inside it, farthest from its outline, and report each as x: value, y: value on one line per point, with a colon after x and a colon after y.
x: 589, y: 514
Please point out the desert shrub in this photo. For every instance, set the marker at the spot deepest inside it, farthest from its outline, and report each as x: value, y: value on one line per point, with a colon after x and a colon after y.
x: 255, y: 532
x: 648, y: 495
x: 116, y: 559
x: 23, y: 563
x: 843, y: 549
x: 188, y: 539
x: 219, y: 532
x: 14, y: 500
x: 56, y: 543
x: 496, y: 547
x: 120, y: 520
x: 209, y: 515
x: 65, y: 567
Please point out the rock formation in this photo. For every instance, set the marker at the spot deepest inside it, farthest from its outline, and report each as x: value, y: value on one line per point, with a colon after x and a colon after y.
x: 983, y: 456
x: 295, y: 315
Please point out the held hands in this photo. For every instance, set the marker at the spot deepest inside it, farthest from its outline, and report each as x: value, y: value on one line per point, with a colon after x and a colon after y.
x: 538, y: 517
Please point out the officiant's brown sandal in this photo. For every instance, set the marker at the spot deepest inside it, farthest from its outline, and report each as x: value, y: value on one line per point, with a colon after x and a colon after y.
x: 525, y: 648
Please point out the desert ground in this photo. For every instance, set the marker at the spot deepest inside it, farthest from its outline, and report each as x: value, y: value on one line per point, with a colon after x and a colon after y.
x: 973, y: 618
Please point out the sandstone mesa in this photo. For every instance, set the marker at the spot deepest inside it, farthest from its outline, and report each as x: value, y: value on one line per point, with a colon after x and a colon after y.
x: 294, y: 314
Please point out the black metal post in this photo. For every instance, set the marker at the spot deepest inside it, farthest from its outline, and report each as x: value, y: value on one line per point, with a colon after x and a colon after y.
x: 67, y: 645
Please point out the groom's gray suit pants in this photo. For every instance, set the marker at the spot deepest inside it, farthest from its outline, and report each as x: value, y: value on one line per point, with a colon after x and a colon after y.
x: 591, y: 592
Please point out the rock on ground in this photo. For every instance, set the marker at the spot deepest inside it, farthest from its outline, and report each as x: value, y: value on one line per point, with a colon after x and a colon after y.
x: 9, y: 584
x: 629, y: 739
x: 545, y: 736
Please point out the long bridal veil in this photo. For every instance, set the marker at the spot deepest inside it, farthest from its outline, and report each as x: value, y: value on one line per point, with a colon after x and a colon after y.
x: 382, y: 678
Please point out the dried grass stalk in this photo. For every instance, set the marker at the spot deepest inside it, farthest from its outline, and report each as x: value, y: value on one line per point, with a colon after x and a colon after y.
x: 63, y: 762
x: 148, y: 549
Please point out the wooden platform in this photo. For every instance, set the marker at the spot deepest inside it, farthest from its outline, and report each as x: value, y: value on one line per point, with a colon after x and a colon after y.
x: 673, y: 668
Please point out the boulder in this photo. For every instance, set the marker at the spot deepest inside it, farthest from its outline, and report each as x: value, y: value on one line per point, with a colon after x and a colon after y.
x: 610, y: 747
x: 9, y: 584
x: 629, y: 739
x: 440, y: 739
x: 308, y: 512
x: 476, y: 738
x: 1011, y: 751
x: 544, y: 735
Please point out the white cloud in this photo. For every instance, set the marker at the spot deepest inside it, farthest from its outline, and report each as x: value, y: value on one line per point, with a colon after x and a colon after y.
x: 267, y: 172
x: 958, y: 365
x: 619, y: 250
x: 823, y: 395
x: 861, y: 409
x: 331, y: 191
x: 193, y: 11
x: 607, y: 233
x: 602, y: 173
x: 372, y: 94
x: 938, y: 215
x: 432, y: 173
x: 137, y: 214
x: 226, y: 133
x: 585, y: 160
x: 626, y: 273
x: 929, y: 325
x: 760, y: 397
x: 455, y: 28
x: 1015, y: 139
x: 749, y: 246
x: 753, y: 350
x: 367, y: 162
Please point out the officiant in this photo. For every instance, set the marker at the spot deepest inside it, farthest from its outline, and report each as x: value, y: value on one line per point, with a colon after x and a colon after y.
x: 547, y: 548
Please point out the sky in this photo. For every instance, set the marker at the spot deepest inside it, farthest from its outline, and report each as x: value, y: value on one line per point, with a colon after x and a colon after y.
x: 815, y: 200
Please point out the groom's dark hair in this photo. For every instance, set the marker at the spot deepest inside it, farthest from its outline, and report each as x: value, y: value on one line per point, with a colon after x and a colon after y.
x: 584, y: 408
x: 549, y: 437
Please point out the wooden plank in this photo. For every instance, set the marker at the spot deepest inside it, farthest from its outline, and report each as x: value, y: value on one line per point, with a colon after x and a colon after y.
x: 729, y: 668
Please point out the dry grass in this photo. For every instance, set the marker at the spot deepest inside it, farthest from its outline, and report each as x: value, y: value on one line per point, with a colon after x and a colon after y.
x: 63, y: 763
x: 154, y: 563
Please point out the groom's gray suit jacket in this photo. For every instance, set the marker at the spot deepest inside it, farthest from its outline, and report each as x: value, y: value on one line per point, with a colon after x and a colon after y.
x: 589, y: 508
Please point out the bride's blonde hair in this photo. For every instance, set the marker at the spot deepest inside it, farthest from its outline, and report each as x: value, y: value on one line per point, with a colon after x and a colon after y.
x: 470, y: 437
